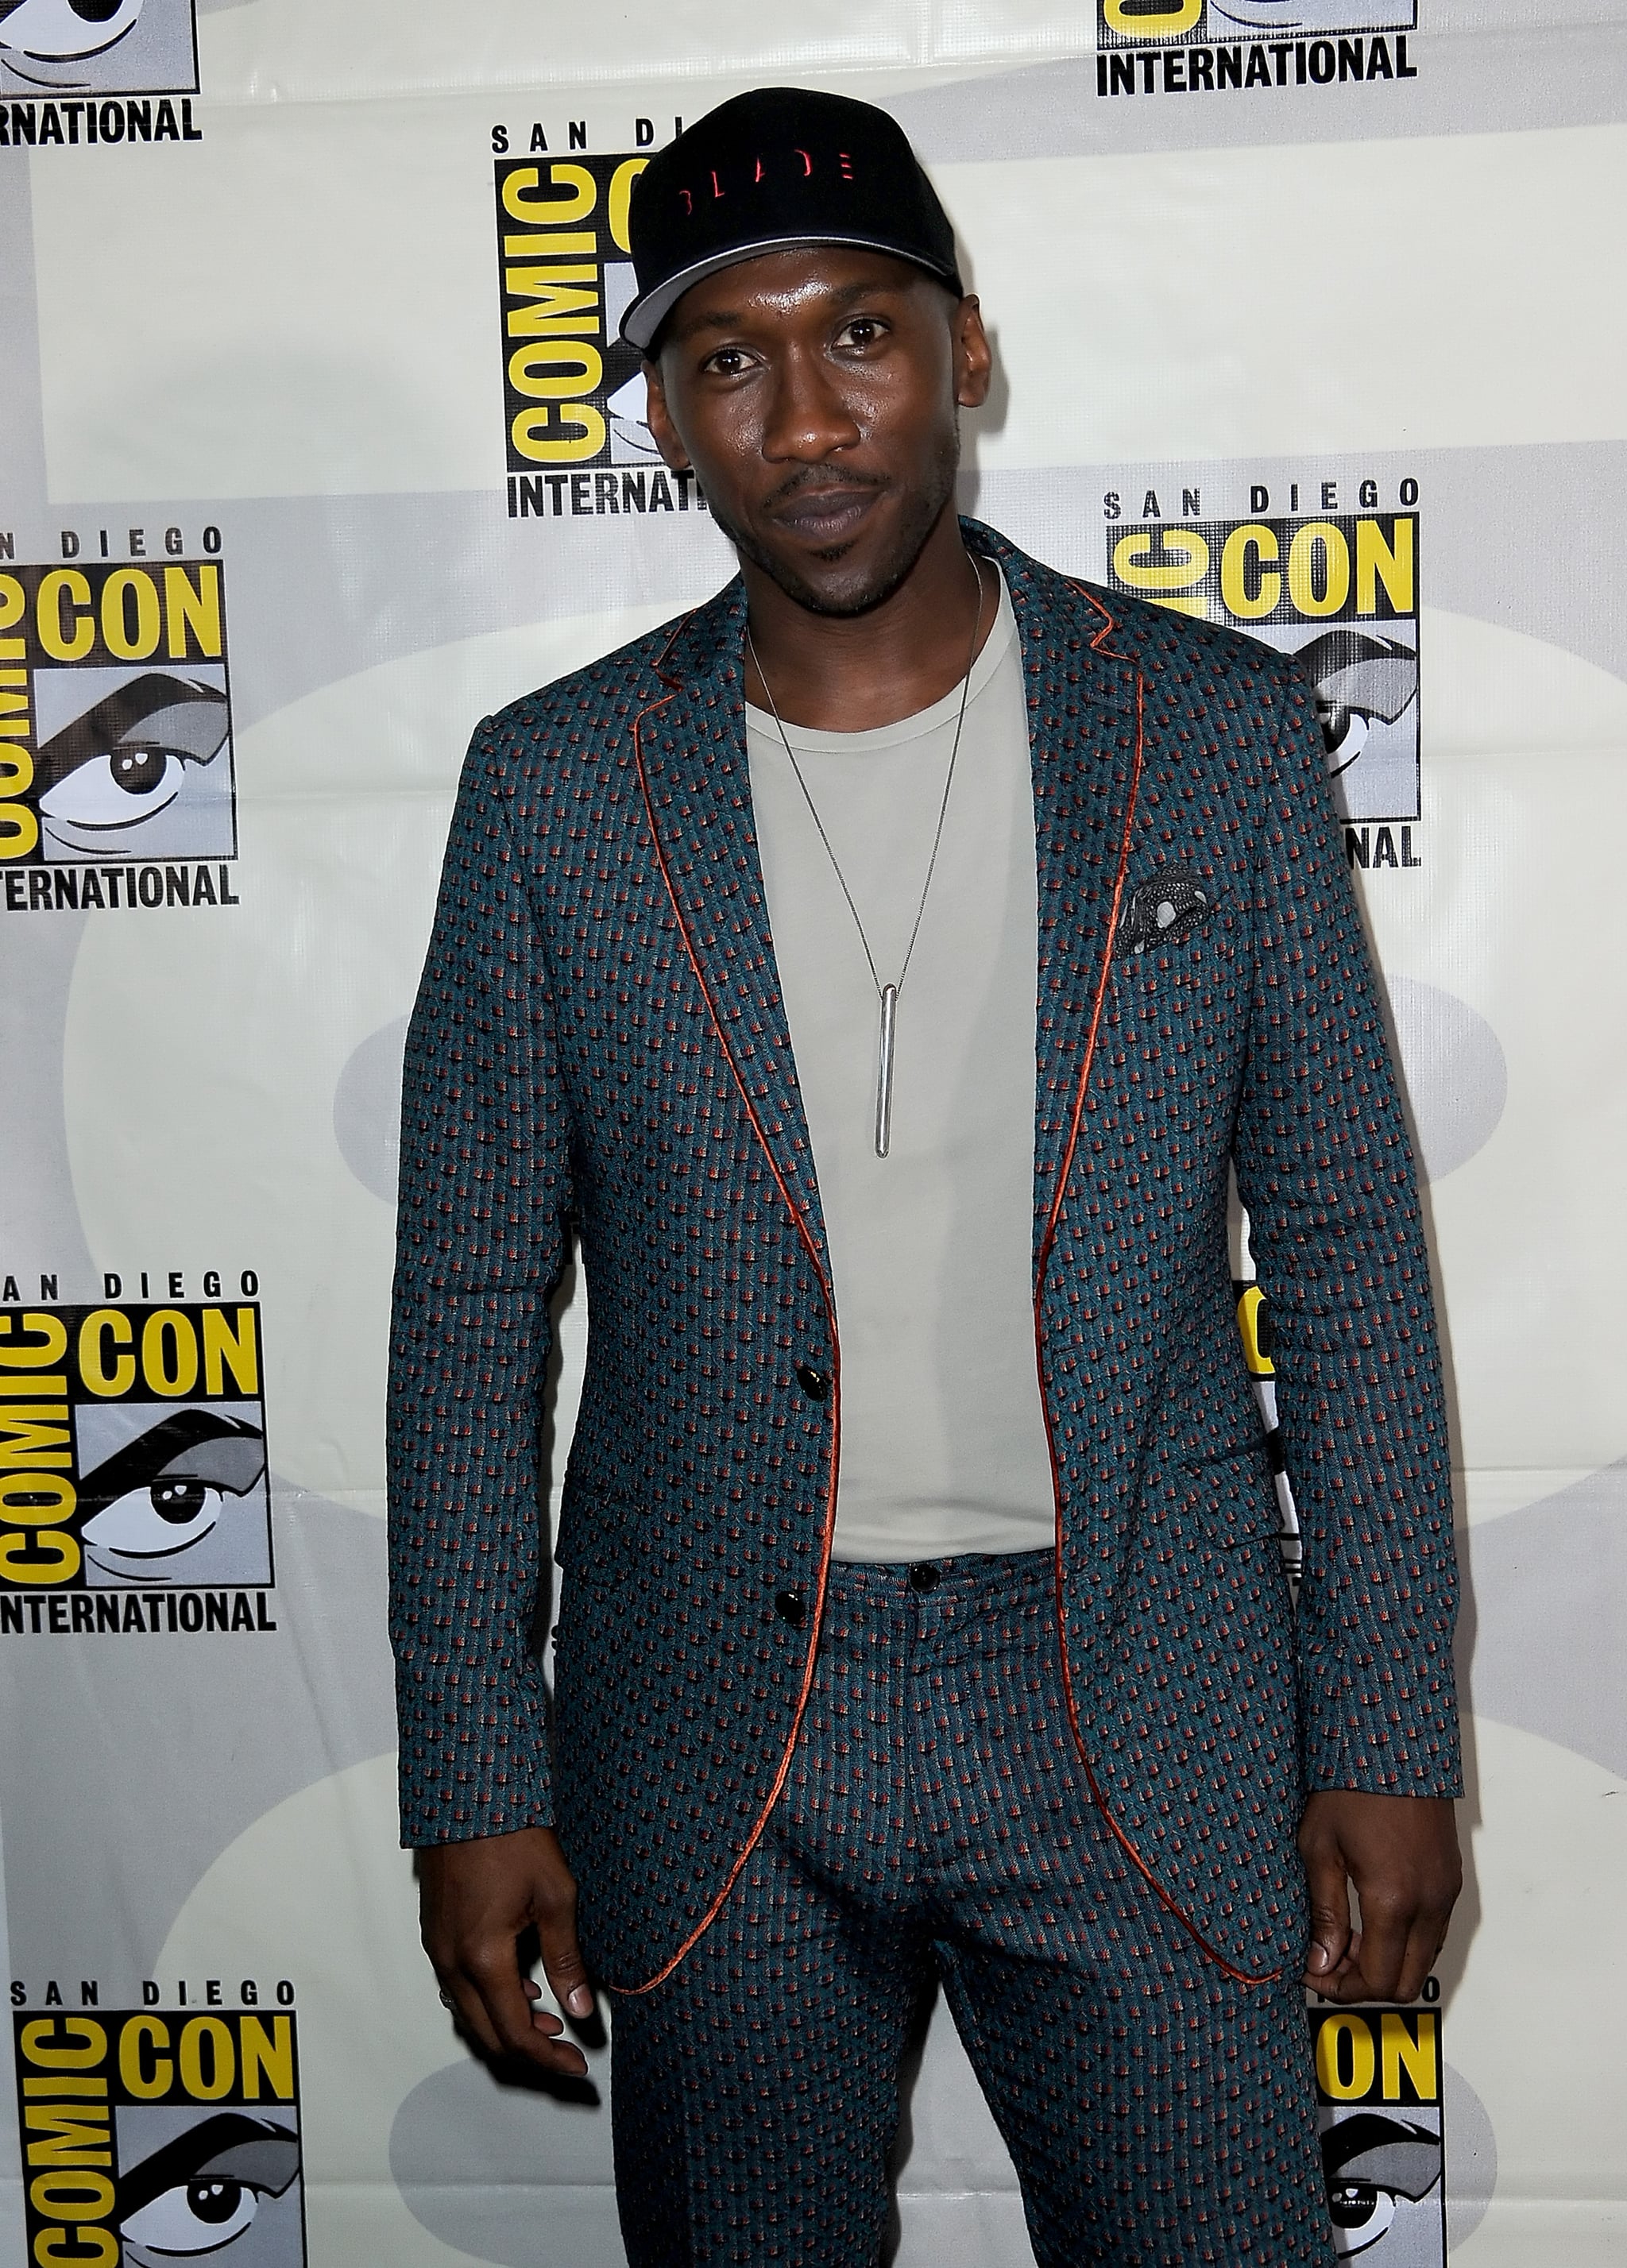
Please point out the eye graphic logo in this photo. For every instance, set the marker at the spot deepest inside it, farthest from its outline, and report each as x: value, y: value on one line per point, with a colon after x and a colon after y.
x: 155, y: 2138
x: 97, y: 47
x: 1379, y: 2088
x: 1147, y: 23
x: 155, y: 1502
x: 129, y: 774
x: 1361, y: 682
x: 115, y: 719
x: 1340, y: 591
x: 132, y: 1454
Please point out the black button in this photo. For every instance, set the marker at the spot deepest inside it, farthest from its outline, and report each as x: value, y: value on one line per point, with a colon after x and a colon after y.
x: 791, y: 1607
x: 814, y: 1382
x: 923, y: 1576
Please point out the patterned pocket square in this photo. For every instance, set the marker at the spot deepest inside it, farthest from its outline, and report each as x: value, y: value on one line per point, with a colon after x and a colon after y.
x: 1162, y: 910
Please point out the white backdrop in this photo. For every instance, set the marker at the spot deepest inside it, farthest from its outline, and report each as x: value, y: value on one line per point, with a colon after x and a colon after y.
x: 258, y: 329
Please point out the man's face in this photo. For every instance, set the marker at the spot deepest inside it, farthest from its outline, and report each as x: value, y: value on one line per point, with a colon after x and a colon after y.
x: 817, y: 392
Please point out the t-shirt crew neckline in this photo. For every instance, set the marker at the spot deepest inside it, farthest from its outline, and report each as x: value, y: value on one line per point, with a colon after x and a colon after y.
x: 805, y: 740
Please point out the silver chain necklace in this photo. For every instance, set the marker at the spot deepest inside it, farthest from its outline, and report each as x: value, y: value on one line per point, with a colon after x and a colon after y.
x: 885, y: 994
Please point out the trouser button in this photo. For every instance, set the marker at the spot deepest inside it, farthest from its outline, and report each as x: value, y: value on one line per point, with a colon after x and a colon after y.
x: 923, y: 1576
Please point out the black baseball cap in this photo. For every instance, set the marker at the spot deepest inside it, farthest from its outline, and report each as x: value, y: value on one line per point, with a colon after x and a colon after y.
x: 782, y: 165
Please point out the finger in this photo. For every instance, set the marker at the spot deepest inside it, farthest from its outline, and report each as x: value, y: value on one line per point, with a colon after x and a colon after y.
x: 562, y: 1954
x: 466, y: 2009
x: 1424, y: 1944
x: 520, y: 2029
x: 1387, y: 1931
x: 1330, y: 1914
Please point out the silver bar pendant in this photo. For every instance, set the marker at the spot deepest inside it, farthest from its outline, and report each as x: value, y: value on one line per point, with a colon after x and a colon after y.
x: 884, y: 1071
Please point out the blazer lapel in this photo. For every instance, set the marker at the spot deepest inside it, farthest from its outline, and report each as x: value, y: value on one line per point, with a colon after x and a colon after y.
x: 1085, y: 733
x: 690, y: 744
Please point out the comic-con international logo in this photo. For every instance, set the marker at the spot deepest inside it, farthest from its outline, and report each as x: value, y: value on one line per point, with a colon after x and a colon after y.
x: 155, y: 2137
x: 81, y: 72
x: 133, y: 1486
x: 1379, y: 2075
x: 115, y: 734
x: 1337, y: 588
x: 1207, y: 47
x: 573, y: 392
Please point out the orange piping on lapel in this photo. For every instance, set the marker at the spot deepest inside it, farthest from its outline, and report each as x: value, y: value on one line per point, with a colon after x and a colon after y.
x: 1240, y: 1976
x: 632, y: 1991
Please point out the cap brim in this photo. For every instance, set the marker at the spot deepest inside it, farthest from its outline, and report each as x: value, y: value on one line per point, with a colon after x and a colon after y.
x: 643, y: 317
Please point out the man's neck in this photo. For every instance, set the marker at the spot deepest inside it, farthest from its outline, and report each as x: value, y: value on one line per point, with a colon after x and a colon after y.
x: 855, y: 672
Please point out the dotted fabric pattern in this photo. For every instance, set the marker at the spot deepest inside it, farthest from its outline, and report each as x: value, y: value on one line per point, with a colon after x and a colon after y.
x: 936, y: 1822
x: 599, y: 1048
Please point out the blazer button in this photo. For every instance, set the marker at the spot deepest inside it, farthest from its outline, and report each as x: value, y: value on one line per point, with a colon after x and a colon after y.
x: 814, y: 1382
x: 791, y: 1607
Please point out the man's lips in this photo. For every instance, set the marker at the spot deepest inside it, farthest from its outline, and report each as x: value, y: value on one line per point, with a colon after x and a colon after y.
x: 826, y: 515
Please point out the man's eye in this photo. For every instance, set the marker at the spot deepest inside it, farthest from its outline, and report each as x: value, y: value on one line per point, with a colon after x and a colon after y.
x: 728, y: 361
x: 862, y: 331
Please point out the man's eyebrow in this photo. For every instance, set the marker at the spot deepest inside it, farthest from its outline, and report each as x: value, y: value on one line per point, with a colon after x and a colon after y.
x: 727, y: 319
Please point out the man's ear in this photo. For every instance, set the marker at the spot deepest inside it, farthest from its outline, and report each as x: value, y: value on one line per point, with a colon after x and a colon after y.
x: 974, y: 356
x: 658, y: 418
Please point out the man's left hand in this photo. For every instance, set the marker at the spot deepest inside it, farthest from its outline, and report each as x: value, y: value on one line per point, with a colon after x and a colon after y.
x: 1401, y: 1854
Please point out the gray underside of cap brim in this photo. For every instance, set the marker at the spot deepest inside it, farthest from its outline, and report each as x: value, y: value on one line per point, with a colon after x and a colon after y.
x: 643, y: 317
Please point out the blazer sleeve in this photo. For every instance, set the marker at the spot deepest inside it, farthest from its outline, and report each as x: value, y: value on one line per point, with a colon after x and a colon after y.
x: 482, y: 1236
x: 1325, y: 1168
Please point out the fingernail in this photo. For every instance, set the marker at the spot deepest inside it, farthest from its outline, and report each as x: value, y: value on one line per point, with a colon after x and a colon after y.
x: 581, y: 2002
x: 1321, y: 1958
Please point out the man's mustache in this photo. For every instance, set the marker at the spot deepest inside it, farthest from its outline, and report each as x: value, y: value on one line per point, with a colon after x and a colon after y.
x: 815, y: 483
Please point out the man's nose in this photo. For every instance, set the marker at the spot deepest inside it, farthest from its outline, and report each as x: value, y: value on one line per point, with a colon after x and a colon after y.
x: 808, y: 418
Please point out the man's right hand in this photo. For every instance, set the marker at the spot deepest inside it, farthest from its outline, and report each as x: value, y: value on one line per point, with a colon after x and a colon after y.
x: 476, y: 1900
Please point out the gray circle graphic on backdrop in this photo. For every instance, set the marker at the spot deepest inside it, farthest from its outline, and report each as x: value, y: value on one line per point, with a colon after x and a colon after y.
x: 1456, y: 1074
x: 507, y: 2174
x: 367, y: 1110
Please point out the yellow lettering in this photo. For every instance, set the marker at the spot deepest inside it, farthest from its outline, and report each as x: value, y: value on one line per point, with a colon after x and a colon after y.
x: 272, y: 2053
x: 13, y: 606
x: 71, y: 2197
x: 47, y: 2054
x: 531, y: 433
x: 169, y: 1352
x: 49, y: 2254
x: 193, y: 608
x: 62, y: 593
x: 20, y: 830
x: 209, y: 2032
x: 36, y: 1500
x: 50, y: 1343
x: 1344, y: 2026
x: 571, y: 244
x: 1318, y: 537
x: 521, y: 202
x: 51, y: 1557
x: 1376, y: 562
x: 1157, y: 24
x: 621, y: 196
x: 106, y: 1326
x: 1184, y: 568
x: 225, y: 1350
x: 1244, y: 548
x: 533, y: 369
x: 147, y: 2074
x: 566, y: 300
x: 1398, y: 2049
x: 123, y: 586
x: 76, y: 2134
x: 36, y: 1433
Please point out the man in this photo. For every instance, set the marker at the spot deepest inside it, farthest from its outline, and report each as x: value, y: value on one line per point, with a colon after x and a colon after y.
x: 877, y: 970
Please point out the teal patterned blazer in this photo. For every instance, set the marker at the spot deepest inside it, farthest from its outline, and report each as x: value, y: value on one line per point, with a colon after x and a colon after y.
x: 599, y: 1055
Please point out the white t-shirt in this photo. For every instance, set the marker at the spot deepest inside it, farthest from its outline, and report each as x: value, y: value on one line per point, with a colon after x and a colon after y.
x: 943, y: 1440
